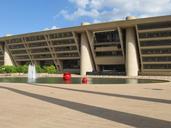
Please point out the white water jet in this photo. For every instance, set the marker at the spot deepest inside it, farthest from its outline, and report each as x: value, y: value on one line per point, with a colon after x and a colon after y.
x: 31, y: 73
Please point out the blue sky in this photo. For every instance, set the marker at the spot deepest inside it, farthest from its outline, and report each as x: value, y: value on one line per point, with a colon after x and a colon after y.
x: 23, y: 16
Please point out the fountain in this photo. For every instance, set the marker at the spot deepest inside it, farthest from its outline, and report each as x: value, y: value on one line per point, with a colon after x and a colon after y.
x: 75, y: 80
x: 31, y: 73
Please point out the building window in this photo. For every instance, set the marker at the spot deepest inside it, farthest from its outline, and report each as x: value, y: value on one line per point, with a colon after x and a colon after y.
x: 155, y: 34
x: 157, y: 59
x: 16, y: 46
x: 71, y: 64
x: 155, y: 43
x: 157, y: 66
x: 114, y: 68
x: 109, y: 53
x: 60, y: 35
x: 104, y: 37
x: 156, y: 51
x: 166, y: 24
x: 35, y: 38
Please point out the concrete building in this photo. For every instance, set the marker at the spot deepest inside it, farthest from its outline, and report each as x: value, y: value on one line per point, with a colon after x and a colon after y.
x: 127, y: 47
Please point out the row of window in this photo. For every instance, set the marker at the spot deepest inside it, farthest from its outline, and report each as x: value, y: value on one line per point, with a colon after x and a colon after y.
x: 107, y: 45
x: 154, y: 25
x: 62, y: 42
x: 109, y: 53
x: 67, y: 48
x: 41, y: 37
x: 39, y: 50
x: 60, y: 35
x: 157, y: 66
x: 22, y: 57
x: 115, y: 68
x: 156, y: 51
x: 110, y: 36
x: 37, y: 44
x: 68, y: 55
x: 157, y: 59
x: 155, y: 43
x: 71, y: 64
x: 15, y: 40
x: 42, y: 56
x: 16, y: 46
x: 35, y: 38
x: 35, y: 56
x: 19, y: 52
x: 155, y: 34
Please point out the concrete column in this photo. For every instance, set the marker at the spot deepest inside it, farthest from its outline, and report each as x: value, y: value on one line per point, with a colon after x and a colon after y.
x: 131, y: 50
x: 86, y: 60
x: 7, y: 58
x: 131, y: 53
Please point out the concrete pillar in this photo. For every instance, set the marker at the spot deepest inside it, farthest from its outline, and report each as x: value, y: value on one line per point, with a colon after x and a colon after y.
x: 131, y: 51
x: 86, y: 60
x: 7, y: 58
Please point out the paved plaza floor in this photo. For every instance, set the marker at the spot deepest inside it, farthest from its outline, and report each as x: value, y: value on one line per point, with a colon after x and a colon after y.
x: 85, y: 106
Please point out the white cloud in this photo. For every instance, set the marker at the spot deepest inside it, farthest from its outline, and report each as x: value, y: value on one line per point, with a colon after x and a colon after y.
x: 53, y: 27
x: 107, y: 10
x: 8, y: 34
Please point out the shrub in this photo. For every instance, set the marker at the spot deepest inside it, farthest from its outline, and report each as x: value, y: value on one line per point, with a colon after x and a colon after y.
x: 24, y: 69
x: 19, y: 69
x: 2, y: 69
x: 50, y: 69
x: 39, y: 69
x: 10, y: 69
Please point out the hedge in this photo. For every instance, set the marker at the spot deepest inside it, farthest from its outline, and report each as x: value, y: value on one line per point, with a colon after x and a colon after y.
x: 24, y: 69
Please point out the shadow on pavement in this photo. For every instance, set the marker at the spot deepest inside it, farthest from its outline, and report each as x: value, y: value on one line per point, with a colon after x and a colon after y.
x: 111, y: 94
x: 117, y: 116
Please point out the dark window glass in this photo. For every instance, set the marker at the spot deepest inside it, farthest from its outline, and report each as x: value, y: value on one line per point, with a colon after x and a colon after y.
x: 107, y: 45
x: 37, y: 44
x: 35, y: 38
x: 109, y: 53
x: 155, y: 43
x: 115, y: 68
x: 67, y: 55
x: 42, y: 56
x: 155, y: 34
x: 104, y: 37
x: 39, y: 50
x: 156, y: 51
x: 60, y: 35
x: 154, y: 25
x: 157, y: 66
x: 157, y: 59
x: 19, y: 52
x: 67, y: 48
x: 22, y: 57
x: 63, y: 42
x: 16, y: 46
x: 16, y: 40
x: 71, y: 64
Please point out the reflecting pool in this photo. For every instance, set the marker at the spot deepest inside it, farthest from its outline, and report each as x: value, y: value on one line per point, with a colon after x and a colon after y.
x: 59, y: 80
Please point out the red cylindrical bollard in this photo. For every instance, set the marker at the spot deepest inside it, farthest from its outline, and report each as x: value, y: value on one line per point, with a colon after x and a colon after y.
x: 84, y: 80
x: 67, y: 76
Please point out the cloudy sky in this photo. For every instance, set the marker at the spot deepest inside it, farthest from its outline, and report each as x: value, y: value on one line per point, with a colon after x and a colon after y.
x: 23, y: 16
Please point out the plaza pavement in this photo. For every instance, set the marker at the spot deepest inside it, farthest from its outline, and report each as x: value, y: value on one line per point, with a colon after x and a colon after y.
x: 85, y: 106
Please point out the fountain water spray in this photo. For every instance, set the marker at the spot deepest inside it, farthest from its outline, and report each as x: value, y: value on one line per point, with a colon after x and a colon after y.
x: 31, y: 73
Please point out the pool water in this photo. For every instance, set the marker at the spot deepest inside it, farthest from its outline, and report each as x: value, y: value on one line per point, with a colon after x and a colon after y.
x: 59, y: 80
